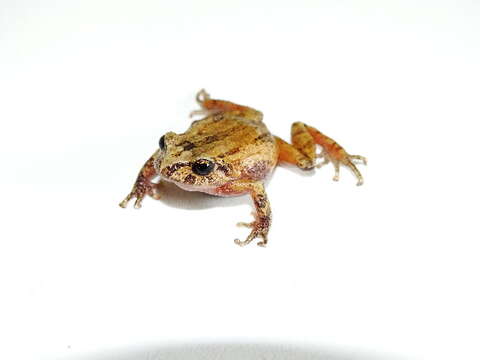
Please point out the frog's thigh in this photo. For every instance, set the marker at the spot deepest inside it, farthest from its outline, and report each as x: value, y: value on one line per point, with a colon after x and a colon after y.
x: 290, y: 154
x: 303, y: 140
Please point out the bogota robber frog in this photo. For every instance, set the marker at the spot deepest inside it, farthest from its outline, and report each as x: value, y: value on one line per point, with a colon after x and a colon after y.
x: 230, y: 152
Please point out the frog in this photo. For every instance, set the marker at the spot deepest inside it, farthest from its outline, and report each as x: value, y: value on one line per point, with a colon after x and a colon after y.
x: 231, y: 152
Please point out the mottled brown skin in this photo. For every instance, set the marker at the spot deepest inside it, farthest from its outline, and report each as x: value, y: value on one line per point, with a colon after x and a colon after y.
x: 241, y: 153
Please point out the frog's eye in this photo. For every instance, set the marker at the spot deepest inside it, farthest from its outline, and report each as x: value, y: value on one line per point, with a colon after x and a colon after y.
x: 161, y: 143
x: 203, y: 167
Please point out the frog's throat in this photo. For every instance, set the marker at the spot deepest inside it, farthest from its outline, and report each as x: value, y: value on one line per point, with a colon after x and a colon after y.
x: 198, y: 188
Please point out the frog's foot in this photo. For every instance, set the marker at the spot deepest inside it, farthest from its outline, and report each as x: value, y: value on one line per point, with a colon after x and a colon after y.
x: 259, y: 230
x: 141, y: 188
x: 132, y: 194
x: 214, y: 106
x: 348, y: 162
x: 202, y: 96
x: 332, y: 152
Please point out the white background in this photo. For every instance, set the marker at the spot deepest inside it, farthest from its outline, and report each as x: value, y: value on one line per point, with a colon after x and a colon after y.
x: 88, y: 87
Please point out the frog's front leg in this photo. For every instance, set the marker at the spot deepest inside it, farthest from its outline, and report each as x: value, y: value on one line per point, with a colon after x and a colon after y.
x: 302, y: 152
x: 263, y: 215
x: 143, y: 185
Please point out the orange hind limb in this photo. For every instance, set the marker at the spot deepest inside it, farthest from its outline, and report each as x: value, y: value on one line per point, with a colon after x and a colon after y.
x: 213, y: 106
x: 290, y: 154
x: 302, y: 151
x: 336, y: 154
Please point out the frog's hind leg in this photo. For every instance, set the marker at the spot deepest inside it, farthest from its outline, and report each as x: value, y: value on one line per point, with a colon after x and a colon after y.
x: 212, y: 106
x: 291, y: 155
x: 336, y: 154
x: 302, y: 151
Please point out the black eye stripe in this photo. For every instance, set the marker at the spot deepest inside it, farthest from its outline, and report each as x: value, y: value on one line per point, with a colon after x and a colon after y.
x: 187, y: 145
x: 170, y: 170
x: 203, y: 167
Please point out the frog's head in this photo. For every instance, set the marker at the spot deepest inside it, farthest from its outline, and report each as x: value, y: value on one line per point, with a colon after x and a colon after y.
x: 185, y: 163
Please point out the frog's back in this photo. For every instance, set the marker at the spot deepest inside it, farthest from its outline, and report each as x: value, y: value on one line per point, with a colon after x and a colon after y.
x: 245, y: 144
